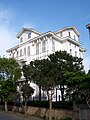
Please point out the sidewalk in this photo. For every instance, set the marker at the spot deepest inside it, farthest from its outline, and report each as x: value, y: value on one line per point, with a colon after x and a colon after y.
x: 21, y: 116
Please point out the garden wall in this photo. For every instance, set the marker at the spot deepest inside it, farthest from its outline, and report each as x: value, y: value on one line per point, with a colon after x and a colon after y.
x: 44, y: 113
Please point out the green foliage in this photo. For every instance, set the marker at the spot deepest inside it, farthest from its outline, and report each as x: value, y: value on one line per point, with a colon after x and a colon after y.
x: 27, y: 90
x: 42, y: 104
x: 55, y: 105
x: 10, y: 72
x: 53, y: 118
x: 62, y: 105
x: 66, y: 118
x: 45, y: 104
x: 66, y: 61
x: 60, y: 68
x: 42, y: 72
x: 66, y: 65
x: 9, y: 69
x: 7, y: 88
x: 78, y: 85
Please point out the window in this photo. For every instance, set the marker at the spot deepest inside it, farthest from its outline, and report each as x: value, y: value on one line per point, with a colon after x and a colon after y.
x: 17, y: 53
x: 74, y: 37
x: 70, y: 51
x: 75, y: 53
x: 21, y: 39
x: 25, y: 51
x: 70, y: 43
x: 29, y: 35
x: 37, y: 49
x: 13, y: 55
x: 61, y: 35
x: 28, y: 51
x: 43, y: 46
x: 80, y: 54
x: 53, y: 45
x: 69, y: 34
x: 20, y: 52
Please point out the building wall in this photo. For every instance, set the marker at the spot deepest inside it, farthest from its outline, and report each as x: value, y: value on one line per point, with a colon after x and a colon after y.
x: 26, y: 51
x: 69, y: 33
x: 25, y: 38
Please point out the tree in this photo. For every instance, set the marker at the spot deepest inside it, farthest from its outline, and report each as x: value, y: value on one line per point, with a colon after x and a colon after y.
x: 50, y: 72
x: 73, y: 80
x: 78, y: 84
x: 27, y: 92
x: 64, y: 63
x: 84, y: 88
x: 10, y: 72
x: 42, y: 72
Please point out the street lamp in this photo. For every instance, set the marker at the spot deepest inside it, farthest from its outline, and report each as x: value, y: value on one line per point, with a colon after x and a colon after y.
x: 88, y: 27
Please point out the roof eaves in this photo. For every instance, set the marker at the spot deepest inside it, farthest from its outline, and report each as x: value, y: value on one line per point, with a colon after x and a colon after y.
x: 68, y: 27
x: 27, y: 29
x: 15, y: 47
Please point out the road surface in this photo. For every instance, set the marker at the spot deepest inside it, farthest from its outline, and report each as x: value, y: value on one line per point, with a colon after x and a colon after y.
x: 10, y: 116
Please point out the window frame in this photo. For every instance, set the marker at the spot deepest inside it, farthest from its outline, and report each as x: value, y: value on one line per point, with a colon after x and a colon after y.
x: 25, y: 51
x: 21, y: 39
x: 70, y: 51
x: 28, y: 51
x: 29, y: 35
x: 44, y: 46
x: 37, y: 48
x: 75, y: 53
x: 20, y: 52
x: 53, y: 45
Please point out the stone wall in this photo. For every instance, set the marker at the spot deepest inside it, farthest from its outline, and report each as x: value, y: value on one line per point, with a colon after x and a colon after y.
x: 80, y: 112
x: 44, y: 113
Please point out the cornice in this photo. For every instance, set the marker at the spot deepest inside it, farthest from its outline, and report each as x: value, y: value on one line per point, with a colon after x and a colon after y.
x: 36, y: 38
x: 13, y: 48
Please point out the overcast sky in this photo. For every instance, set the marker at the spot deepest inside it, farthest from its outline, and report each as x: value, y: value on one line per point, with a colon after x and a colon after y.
x: 43, y: 15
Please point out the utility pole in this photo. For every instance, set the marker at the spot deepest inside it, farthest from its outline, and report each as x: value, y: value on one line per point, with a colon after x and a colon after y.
x: 88, y: 27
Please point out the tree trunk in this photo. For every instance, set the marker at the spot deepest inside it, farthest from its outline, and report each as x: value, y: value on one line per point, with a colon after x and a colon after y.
x: 50, y: 105
x: 62, y: 92
x: 25, y: 105
x: 40, y: 93
x: 6, y: 109
x: 56, y: 94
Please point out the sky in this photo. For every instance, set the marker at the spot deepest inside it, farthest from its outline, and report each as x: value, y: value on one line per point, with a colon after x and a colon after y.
x: 43, y: 16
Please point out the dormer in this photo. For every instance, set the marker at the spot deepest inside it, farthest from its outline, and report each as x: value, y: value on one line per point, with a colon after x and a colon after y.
x: 26, y: 34
x: 71, y: 32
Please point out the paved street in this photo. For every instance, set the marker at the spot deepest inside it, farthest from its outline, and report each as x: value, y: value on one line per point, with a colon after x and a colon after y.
x: 10, y: 116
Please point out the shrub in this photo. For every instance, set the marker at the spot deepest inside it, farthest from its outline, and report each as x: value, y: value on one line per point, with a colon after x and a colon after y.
x: 67, y: 118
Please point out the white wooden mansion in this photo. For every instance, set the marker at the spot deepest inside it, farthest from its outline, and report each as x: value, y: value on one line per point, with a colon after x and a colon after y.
x: 36, y: 45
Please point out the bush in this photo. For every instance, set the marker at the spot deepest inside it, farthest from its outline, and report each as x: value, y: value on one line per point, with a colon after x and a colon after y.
x: 63, y: 105
x: 53, y: 118
x: 45, y: 104
x: 67, y: 118
x: 57, y: 105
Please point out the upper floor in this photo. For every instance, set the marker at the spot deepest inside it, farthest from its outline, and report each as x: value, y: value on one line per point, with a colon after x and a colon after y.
x: 35, y: 45
x: 71, y: 32
x: 26, y: 34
